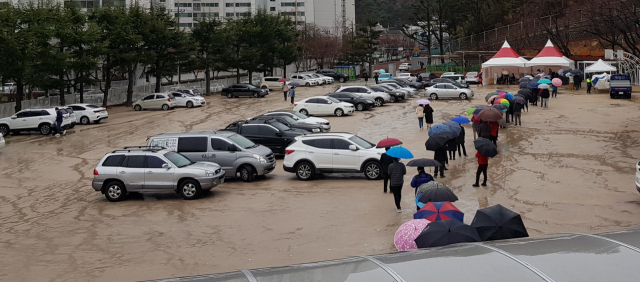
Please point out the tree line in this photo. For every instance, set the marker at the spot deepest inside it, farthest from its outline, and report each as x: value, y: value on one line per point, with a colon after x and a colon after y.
x: 57, y: 48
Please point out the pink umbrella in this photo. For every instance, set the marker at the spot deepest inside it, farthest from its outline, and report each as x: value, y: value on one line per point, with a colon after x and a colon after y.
x: 282, y: 80
x: 490, y: 101
x: 407, y: 233
x: 556, y: 82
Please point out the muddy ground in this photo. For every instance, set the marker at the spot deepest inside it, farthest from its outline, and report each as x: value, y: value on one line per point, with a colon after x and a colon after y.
x: 567, y: 169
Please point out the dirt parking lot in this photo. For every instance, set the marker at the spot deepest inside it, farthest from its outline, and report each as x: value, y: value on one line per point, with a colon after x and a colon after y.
x: 567, y: 169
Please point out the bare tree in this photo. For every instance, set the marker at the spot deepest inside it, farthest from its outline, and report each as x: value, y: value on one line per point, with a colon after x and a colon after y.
x: 615, y: 24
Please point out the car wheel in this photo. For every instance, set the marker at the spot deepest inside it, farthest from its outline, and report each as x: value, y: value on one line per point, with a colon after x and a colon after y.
x: 379, y: 102
x: 304, y: 171
x: 463, y: 96
x: 4, y: 130
x: 344, y: 79
x: 189, y: 104
x: 45, y: 129
x: 394, y: 99
x: 360, y: 107
x: 433, y: 96
x: 307, y: 84
x: 246, y: 173
x: 229, y: 95
x: 372, y: 170
x: 85, y: 120
x: 97, y: 121
x: 264, y: 87
x: 137, y: 108
x: 165, y: 107
x: 304, y: 112
x: 190, y: 189
x: 115, y: 191
x: 339, y: 112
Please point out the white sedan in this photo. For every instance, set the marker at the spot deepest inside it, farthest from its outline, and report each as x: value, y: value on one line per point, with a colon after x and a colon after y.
x: 188, y: 100
x: 323, y: 105
x: 87, y: 113
x: 447, y: 90
x: 407, y: 76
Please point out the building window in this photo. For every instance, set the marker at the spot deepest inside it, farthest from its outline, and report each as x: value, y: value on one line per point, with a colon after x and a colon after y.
x: 229, y: 15
x: 83, y: 4
x: 243, y: 14
x: 228, y: 5
x: 205, y: 15
x: 209, y: 4
x: 272, y: 9
x: 114, y: 3
x: 291, y: 14
x: 182, y: 5
x: 243, y: 5
x: 292, y: 4
x: 184, y: 15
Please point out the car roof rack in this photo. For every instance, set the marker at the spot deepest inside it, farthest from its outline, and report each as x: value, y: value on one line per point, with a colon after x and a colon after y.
x: 141, y: 148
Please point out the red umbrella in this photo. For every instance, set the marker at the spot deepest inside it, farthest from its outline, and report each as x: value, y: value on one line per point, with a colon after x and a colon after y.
x: 282, y: 80
x: 388, y: 142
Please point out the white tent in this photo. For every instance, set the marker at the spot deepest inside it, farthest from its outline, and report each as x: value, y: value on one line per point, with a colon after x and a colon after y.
x: 599, y: 66
x: 505, y: 60
x: 550, y: 56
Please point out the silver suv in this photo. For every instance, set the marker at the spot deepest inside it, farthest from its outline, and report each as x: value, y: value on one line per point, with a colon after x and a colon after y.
x: 153, y: 170
x: 237, y: 155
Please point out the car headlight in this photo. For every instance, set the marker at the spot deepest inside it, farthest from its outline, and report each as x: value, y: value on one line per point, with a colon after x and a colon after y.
x: 260, y: 158
x: 209, y: 173
x: 316, y: 130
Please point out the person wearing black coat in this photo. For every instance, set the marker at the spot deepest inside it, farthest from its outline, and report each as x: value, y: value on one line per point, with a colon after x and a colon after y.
x: 452, y: 147
x: 440, y: 155
x: 544, y: 96
x: 428, y: 116
x: 534, y: 97
x: 461, y: 147
x: 485, y: 130
x: 385, y: 161
x: 509, y: 113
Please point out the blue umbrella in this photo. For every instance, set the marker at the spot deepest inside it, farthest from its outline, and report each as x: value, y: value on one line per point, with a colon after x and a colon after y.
x: 509, y: 96
x: 460, y: 120
x: 295, y: 84
x: 533, y: 84
x: 454, y: 127
x: 544, y: 80
x: 400, y: 153
x: 437, y: 128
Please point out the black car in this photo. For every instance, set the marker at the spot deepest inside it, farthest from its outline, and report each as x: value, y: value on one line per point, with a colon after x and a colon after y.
x: 396, y: 95
x: 243, y: 89
x: 336, y: 76
x: 426, y: 76
x: 292, y: 123
x: 446, y: 80
x: 408, y: 83
x: 359, y: 102
x: 269, y: 133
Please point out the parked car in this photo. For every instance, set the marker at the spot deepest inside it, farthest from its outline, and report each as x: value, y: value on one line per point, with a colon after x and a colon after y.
x: 378, y: 97
x: 447, y: 90
x: 322, y: 105
x: 407, y: 83
x: 404, y: 66
x: 359, y: 102
x: 319, y: 81
x: 238, y: 156
x: 303, y: 80
x: 192, y: 91
x: 455, y: 77
x: 620, y: 86
x: 426, y: 76
x: 269, y: 133
x: 409, y: 91
x: 36, y: 119
x: 385, y: 76
x: 188, y: 100
x: 162, y: 101
x: 87, y: 113
x: 325, y: 79
x: 271, y: 83
x: 472, y: 76
x: 447, y: 73
x: 332, y: 153
x: 292, y: 123
x: 396, y: 95
x: 325, y: 124
x: 336, y: 76
x: 153, y: 170
x: 407, y: 76
x: 72, y: 115
x: 2, y: 142
x: 243, y: 89
x: 446, y: 80
x: 638, y: 176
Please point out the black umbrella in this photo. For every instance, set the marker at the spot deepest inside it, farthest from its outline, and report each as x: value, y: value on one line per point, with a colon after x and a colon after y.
x: 438, y: 140
x: 528, y: 94
x: 524, y: 79
x: 497, y: 223
x: 524, y: 84
x: 499, y: 107
x: 446, y: 232
x: 424, y: 163
x: 436, y: 194
x: 486, y: 147
x: 576, y: 72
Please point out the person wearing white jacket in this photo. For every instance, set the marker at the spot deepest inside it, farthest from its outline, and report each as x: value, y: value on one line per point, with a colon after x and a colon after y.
x: 420, y: 114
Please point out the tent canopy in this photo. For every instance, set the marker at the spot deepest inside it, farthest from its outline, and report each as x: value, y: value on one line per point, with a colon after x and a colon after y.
x: 550, y: 56
x: 506, y: 57
x: 600, y: 66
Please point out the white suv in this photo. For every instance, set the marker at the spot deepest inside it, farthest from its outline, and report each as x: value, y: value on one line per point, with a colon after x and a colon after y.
x: 271, y: 83
x: 316, y: 153
x: 42, y: 120
x: 378, y: 97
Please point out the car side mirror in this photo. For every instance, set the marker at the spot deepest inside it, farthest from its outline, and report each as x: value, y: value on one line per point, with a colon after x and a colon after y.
x: 279, y: 134
x: 14, y: 117
x: 353, y: 148
x: 166, y: 165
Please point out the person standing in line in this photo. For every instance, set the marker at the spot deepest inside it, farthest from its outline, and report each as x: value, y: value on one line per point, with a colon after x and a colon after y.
x: 484, y: 130
x: 494, y: 132
x: 452, y: 147
x: 534, y: 99
x: 396, y: 171
x: 375, y: 77
x: 428, y: 116
x: 421, y: 178
x: 509, y: 113
x: 420, y: 115
x: 589, y: 84
x: 578, y: 82
x: 385, y: 161
x: 555, y: 91
x: 461, y: 143
x: 483, y: 164
x: 517, y: 114
x: 292, y: 94
x: 571, y: 86
x: 544, y: 95
x: 440, y: 155
x: 285, y: 89
x: 475, y: 126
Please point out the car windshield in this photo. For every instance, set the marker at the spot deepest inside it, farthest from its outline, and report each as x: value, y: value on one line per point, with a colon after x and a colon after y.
x: 189, y: 95
x: 178, y: 159
x: 280, y: 126
x: 333, y: 99
x: 242, y: 142
x: 361, y: 142
x: 92, y: 106
x: 289, y: 120
x: 299, y: 115
x: 250, y: 86
x: 196, y: 91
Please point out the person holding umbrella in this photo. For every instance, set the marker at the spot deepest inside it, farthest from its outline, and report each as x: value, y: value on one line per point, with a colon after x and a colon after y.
x: 483, y: 164
x: 578, y: 82
x: 420, y: 115
x: 544, y: 96
x: 428, y: 115
x: 486, y: 149
x: 440, y: 155
x: 452, y: 147
x: 385, y: 161
x: 375, y: 77
x: 571, y: 87
x: 517, y: 113
x: 421, y: 178
x: 285, y: 88
x: 292, y: 94
x: 366, y: 78
x: 396, y: 172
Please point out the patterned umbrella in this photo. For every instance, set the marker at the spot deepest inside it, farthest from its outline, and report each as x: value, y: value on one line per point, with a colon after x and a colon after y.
x: 502, y: 101
x: 507, y: 96
x: 437, y: 128
x: 434, y: 211
x: 434, y: 185
x: 407, y: 233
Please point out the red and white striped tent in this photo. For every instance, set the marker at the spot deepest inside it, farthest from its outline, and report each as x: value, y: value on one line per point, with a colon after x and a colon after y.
x: 550, y: 57
x: 506, y: 60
